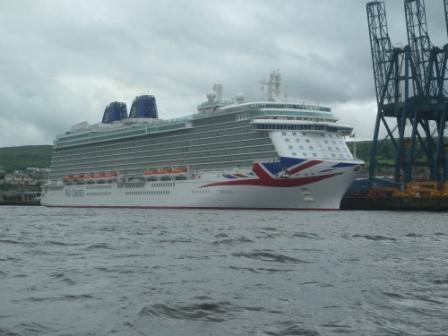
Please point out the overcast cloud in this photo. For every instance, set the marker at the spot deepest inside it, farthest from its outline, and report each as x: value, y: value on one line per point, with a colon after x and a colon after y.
x: 62, y: 62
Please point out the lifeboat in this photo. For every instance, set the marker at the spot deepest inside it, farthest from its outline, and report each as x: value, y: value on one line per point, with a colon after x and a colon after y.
x: 97, y: 175
x: 110, y: 176
x: 179, y: 170
x: 180, y: 173
x: 67, y: 179
x: 79, y: 178
x: 165, y: 170
x: 150, y: 171
x: 165, y: 173
x: 89, y: 177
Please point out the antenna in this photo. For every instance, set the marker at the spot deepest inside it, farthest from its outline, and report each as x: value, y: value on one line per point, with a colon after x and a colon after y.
x: 274, y: 85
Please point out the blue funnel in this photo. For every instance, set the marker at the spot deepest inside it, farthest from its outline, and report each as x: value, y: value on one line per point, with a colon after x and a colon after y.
x: 115, y: 111
x: 144, y: 107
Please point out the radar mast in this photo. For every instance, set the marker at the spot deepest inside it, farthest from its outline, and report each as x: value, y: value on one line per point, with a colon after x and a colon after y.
x: 274, y: 86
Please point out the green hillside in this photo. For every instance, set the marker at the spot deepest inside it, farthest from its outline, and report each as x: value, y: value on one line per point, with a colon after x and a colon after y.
x: 386, y: 152
x: 16, y: 158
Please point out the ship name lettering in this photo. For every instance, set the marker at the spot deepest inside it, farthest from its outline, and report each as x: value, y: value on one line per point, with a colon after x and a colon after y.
x: 74, y: 193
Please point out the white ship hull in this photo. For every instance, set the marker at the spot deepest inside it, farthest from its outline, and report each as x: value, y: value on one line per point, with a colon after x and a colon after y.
x: 306, y: 185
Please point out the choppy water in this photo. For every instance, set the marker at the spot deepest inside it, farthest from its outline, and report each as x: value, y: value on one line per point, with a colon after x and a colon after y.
x: 136, y: 272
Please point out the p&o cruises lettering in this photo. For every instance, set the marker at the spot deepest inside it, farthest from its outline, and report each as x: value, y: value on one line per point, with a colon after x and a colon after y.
x: 74, y: 193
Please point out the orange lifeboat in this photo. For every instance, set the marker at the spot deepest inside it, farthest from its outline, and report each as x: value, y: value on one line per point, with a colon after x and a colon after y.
x: 76, y: 177
x: 165, y: 170
x: 150, y: 171
x: 179, y: 170
x: 89, y: 176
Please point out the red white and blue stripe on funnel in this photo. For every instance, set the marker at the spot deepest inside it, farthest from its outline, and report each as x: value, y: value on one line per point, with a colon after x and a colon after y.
x: 283, y: 173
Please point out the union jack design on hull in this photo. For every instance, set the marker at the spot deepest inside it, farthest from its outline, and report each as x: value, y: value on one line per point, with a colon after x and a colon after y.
x: 274, y: 175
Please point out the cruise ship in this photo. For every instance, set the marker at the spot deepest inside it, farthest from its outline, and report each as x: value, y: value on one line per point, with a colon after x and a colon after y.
x: 232, y: 154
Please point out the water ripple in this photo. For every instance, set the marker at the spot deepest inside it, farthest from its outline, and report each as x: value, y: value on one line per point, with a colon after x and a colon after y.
x: 374, y: 237
x: 101, y: 246
x: 234, y: 241
x: 293, y: 330
x: 66, y: 297
x: 205, y: 311
x: 269, y: 257
x: 306, y: 235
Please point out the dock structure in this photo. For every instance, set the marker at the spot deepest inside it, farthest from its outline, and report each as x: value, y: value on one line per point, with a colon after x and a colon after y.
x: 411, y: 85
x: 20, y: 198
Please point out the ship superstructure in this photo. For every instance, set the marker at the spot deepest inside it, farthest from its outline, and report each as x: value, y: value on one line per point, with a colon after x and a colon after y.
x: 233, y: 153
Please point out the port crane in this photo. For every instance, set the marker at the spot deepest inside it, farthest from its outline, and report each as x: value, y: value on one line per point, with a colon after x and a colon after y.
x: 411, y: 85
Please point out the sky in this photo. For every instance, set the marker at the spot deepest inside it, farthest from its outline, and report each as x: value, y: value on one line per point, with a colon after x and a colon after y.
x: 63, y: 61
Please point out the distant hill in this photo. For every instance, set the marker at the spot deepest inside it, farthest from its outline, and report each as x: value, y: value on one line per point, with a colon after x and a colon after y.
x: 17, y: 158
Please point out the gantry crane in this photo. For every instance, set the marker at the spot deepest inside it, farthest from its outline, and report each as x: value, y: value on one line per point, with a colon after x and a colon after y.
x: 411, y: 90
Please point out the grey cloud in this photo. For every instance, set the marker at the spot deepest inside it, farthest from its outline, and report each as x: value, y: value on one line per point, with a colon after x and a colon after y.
x: 63, y: 61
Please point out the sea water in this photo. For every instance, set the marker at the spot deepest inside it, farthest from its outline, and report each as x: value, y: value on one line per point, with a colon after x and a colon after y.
x: 192, y: 272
